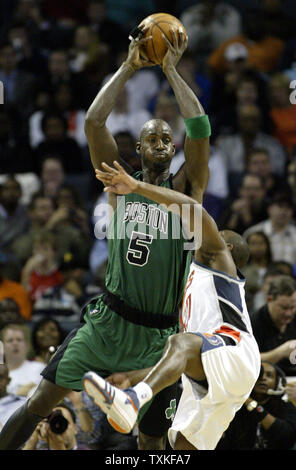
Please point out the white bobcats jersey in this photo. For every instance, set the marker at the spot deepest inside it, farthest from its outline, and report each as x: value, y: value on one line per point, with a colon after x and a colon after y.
x: 214, y: 302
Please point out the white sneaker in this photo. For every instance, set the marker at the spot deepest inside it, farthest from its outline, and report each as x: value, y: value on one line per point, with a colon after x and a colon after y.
x: 121, y: 407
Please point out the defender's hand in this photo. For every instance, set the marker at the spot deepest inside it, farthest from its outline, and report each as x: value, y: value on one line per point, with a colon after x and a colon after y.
x: 116, y: 180
x: 119, y: 380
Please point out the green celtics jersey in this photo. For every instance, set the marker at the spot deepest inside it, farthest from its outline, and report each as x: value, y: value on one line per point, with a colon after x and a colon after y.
x: 147, y: 265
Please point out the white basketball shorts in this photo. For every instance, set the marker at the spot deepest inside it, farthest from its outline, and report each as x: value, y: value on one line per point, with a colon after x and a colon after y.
x: 203, y: 414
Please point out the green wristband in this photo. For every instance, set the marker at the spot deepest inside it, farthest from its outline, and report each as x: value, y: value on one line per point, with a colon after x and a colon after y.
x: 198, y: 127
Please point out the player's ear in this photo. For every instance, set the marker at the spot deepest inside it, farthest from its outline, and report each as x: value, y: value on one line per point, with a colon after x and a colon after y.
x: 138, y: 147
x: 229, y: 246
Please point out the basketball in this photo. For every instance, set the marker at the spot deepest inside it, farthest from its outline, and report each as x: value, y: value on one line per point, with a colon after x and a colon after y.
x: 159, y: 24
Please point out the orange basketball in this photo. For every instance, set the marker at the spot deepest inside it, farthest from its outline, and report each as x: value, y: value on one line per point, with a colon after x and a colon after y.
x: 159, y: 24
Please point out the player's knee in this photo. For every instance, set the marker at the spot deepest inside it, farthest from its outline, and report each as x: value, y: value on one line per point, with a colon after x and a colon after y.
x: 185, y: 342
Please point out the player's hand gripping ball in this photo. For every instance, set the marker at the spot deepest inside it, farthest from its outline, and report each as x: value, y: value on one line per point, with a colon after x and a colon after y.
x: 155, y: 26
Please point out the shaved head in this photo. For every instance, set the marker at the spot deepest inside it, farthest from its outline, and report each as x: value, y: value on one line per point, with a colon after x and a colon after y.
x: 239, y: 248
x: 153, y: 124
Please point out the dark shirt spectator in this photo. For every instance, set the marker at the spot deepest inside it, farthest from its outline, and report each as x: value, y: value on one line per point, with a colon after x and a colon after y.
x: 16, y: 153
x: 248, y: 209
x: 258, y: 163
x: 265, y: 421
x: 274, y: 325
x: 18, y: 84
x: 58, y: 71
x: 13, y: 215
x: 56, y: 141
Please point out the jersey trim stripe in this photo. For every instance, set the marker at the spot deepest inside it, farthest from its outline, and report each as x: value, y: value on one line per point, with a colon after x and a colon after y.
x: 229, y: 291
x: 231, y: 317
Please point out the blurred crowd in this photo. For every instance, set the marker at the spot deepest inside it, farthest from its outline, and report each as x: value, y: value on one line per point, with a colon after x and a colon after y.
x: 54, y: 58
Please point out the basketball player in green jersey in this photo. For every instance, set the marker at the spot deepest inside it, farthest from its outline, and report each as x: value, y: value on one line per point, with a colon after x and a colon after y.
x: 127, y: 327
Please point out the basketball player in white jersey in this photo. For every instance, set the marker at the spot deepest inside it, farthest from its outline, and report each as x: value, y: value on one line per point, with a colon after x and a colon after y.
x: 216, y: 355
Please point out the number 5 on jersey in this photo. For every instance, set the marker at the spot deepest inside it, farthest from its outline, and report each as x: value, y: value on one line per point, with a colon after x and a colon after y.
x: 138, y: 250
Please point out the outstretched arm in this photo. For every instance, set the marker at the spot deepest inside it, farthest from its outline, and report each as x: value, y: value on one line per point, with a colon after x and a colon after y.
x: 116, y: 180
x: 197, y: 149
x: 101, y: 143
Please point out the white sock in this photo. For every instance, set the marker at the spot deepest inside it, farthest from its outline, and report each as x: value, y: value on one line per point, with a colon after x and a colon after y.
x: 144, y: 393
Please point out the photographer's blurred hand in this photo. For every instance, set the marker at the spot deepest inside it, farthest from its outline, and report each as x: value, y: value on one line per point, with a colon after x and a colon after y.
x: 56, y: 441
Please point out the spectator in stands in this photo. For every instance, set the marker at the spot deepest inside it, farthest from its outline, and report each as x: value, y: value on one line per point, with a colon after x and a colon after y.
x: 266, y: 421
x: 209, y: 23
x: 264, y: 50
x: 24, y: 374
x: 291, y: 180
x: 9, y: 312
x: 226, y: 83
x: 98, y: 21
x: 52, y: 175
x: 46, y: 334
x: 57, y: 141
x: 18, y: 84
x: 58, y: 71
x: 42, y: 28
x: 63, y: 302
x: 13, y: 216
x: 275, y: 269
x: 283, y: 112
x: 279, y: 228
x: 247, y: 89
x: 90, y: 55
x: 69, y: 199
x: 258, y: 263
x: 167, y: 108
x: 274, y: 325
x: 29, y: 56
x: 41, y: 270
x: 44, y: 216
x: 16, y: 153
x: 122, y: 118
x: 14, y: 290
x: 8, y: 401
x: 63, y: 103
x: 248, y: 208
x: 141, y: 88
x: 57, y: 441
x: 258, y: 163
x: 236, y: 147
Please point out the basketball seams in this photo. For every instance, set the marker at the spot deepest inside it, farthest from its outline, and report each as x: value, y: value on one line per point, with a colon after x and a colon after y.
x: 153, y: 25
x: 157, y: 47
x: 152, y: 42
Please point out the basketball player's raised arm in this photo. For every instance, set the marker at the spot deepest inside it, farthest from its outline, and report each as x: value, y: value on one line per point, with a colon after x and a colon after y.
x: 102, y: 145
x: 116, y: 180
x: 197, y: 146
